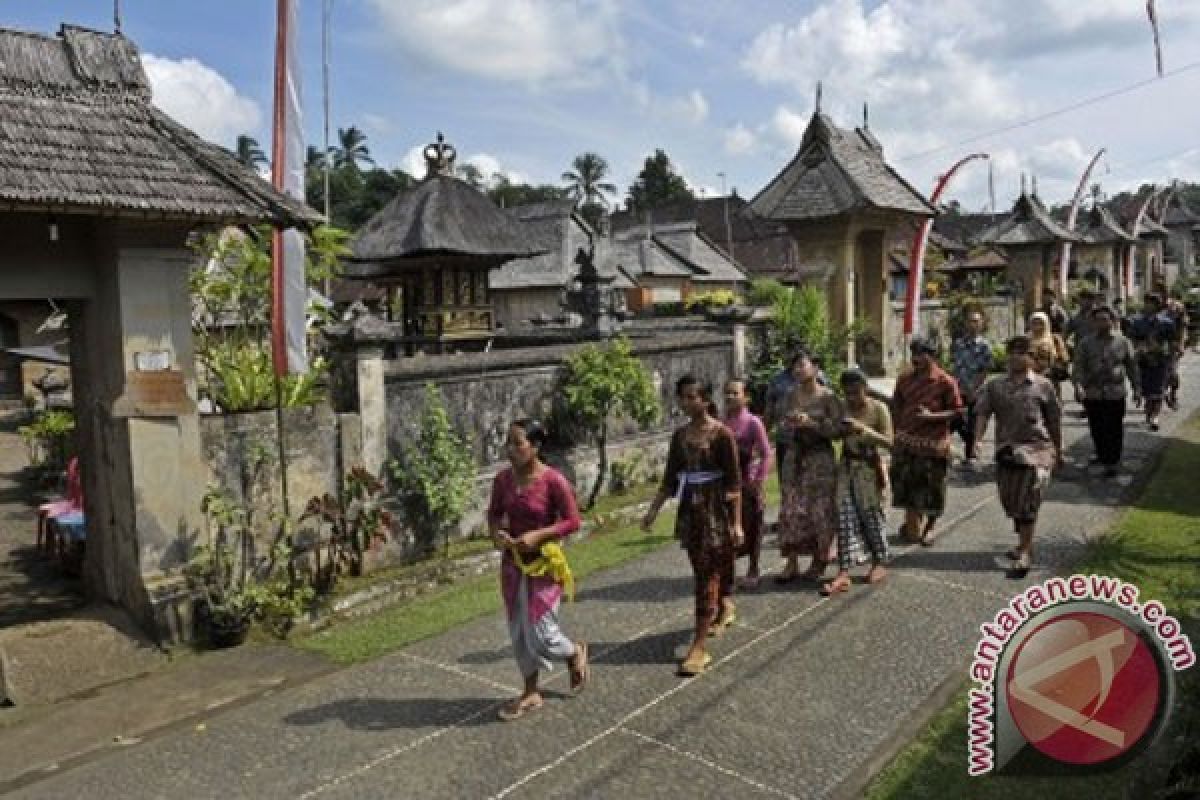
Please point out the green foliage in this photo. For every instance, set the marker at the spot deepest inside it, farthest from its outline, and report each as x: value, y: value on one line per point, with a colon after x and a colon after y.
x: 801, y: 320
x: 657, y: 185
x: 714, y: 298
x: 249, y: 152
x: 351, y: 523
x: 435, y: 475
x: 50, y: 438
x: 507, y: 194
x: 603, y: 382
x: 232, y: 316
x: 234, y: 584
x: 765, y: 292
x: 628, y: 472
x: 588, y: 183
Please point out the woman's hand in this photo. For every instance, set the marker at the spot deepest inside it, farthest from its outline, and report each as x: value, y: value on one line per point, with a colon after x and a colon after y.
x: 527, y: 543
x: 737, y: 535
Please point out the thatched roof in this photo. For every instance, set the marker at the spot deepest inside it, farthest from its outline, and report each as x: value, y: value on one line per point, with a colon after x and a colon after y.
x: 441, y: 221
x: 1029, y: 223
x: 1099, y: 227
x: 836, y: 172
x: 78, y: 133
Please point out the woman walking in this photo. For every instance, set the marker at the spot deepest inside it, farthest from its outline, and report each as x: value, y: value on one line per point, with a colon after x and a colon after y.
x: 808, y: 514
x: 1048, y: 351
x: 702, y: 474
x: 532, y: 508
x: 862, y: 481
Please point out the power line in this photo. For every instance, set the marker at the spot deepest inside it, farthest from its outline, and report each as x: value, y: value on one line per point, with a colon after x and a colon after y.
x: 1100, y: 98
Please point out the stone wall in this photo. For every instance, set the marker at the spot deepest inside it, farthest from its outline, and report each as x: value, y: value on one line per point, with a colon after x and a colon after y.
x: 1004, y: 316
x: 483, y: 393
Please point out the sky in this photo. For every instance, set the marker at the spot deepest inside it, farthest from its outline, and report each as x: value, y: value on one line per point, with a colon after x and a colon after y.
x: 520, y: 87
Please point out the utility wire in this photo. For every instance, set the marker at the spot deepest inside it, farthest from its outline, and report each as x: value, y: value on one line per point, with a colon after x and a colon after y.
x: 1100, y: 98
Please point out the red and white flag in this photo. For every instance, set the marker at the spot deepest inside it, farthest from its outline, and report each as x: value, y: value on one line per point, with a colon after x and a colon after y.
x: 289, y: 290
x: 1153, y: 15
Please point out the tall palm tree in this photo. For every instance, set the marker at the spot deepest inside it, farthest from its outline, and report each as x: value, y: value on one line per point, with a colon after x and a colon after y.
x: 586, y: 184
x: 314, y: 159
x: 351, y: 150
x: 249, y: 152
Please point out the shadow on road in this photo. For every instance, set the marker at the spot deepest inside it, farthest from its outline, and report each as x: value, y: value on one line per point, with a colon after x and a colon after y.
x: 378, y: 714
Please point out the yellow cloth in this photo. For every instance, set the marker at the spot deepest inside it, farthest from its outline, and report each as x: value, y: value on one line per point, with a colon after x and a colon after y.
x: 551, y: 562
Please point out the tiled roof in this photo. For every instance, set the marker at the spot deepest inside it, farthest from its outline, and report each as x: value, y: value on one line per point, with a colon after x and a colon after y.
x: 837, y: 171
x: 78, y: 131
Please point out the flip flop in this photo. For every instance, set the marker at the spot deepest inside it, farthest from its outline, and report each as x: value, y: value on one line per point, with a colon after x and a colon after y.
x: 835, y: 586
x: 692, y: 668
x: 580, y: 677
x: 722, y: 624
x: 511, y: 713
x: 748, y: 583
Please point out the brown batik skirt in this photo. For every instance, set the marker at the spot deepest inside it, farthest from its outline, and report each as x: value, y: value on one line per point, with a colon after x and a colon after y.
x: 1020, y: 491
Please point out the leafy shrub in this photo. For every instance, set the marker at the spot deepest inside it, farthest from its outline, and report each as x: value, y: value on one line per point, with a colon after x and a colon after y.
x: 354, y: 521
x: 435, y: 475
x: 50, y: 439
x: 715, y: 298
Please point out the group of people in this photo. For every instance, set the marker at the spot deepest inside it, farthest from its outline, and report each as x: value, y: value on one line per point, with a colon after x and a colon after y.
x: 832, y: 498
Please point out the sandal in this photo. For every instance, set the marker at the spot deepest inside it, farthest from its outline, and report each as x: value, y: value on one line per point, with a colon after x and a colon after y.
x: 692, y: 667
x: 723, y: 622
x: 749, y: 583
x: 581, y: 675
x: 517, y: 709
x: 836, y: 586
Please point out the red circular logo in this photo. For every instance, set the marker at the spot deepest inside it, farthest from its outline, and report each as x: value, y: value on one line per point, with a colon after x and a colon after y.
x: 1084, y: 688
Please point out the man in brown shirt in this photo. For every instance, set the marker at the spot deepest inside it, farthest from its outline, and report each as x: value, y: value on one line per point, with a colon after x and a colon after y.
x: 1028, y: 442
x: 923, y: 405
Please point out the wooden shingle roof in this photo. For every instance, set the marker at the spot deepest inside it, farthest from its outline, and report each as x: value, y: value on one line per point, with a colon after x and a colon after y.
x: 1029, y: 223
x: 79, y: 133
x: 835, y: 172
x: 1100, y: 227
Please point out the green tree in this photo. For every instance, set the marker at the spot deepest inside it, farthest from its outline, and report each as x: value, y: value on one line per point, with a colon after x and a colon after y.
x: 249, y: 152
x: 507, y: 194
x: 471, y: 174
x: 657, y: 185
x: 435, y: 475
x: 602, y: 383
x: 351, y: 150
x: 586, y: 183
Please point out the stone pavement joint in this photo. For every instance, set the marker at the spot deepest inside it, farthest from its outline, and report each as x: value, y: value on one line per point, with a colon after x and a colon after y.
x: 710, y: 764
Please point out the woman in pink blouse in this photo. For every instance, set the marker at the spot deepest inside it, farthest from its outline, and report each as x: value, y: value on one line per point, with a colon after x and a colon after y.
x: 533, y: 504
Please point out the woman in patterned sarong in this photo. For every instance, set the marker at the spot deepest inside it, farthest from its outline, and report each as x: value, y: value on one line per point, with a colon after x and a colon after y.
x: 808, y: 514
x: 702, y: 474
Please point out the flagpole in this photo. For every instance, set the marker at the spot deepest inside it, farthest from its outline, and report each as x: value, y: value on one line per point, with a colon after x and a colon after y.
x: 278, y: 326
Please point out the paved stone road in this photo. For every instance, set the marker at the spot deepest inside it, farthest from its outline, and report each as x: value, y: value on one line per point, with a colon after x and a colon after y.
x: 803, y: 692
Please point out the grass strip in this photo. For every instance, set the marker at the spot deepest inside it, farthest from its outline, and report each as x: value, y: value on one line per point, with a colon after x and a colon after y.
x: 1154, y: 545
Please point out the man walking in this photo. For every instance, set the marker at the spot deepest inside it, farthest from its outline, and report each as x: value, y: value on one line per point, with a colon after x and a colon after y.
x: 1103, y: 363
x: 972, y: 356
x: 1153, y: 337
x: 1028, y: 443
x: 924, y: 402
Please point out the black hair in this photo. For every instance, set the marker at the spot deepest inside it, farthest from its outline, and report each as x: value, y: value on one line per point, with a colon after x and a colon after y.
x: 800, y: 354
x: 705, y: 389
x: 535, y: 432
x: 1020, y: 343
x: 852, y: 377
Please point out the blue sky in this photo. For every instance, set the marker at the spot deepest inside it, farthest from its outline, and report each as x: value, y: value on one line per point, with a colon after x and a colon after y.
x: 522, y: 86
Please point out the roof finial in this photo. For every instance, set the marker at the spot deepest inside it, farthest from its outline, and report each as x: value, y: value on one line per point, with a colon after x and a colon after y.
x: 1035, y: 184
x: 866, y: 117
x: 116, y: 16
x: 817, y: 110
x: 1023, y: 186
x: 439, y: 158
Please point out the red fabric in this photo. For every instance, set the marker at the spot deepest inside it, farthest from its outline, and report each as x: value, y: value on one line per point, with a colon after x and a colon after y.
x: 548, y: 502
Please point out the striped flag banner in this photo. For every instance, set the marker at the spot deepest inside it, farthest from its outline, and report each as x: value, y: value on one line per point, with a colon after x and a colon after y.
x: 1153, y: 15
x: 289, y: 290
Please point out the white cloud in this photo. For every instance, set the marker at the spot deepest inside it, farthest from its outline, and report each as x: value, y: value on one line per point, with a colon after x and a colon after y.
x: 788, y: 126
x: 200, y: 98
x: 692, y: 107
x: 519, y: 41
x: 740, y: 140
x: 697, y: 41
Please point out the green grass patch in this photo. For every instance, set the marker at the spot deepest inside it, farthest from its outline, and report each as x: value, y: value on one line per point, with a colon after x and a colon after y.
x: 1154, y: 545
x: 429, y: 615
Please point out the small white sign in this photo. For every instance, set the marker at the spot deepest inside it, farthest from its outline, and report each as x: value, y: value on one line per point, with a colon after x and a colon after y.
x: 152, y: 361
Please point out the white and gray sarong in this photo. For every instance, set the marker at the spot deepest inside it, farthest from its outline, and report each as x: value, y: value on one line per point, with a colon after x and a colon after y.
x: 537, y: 645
